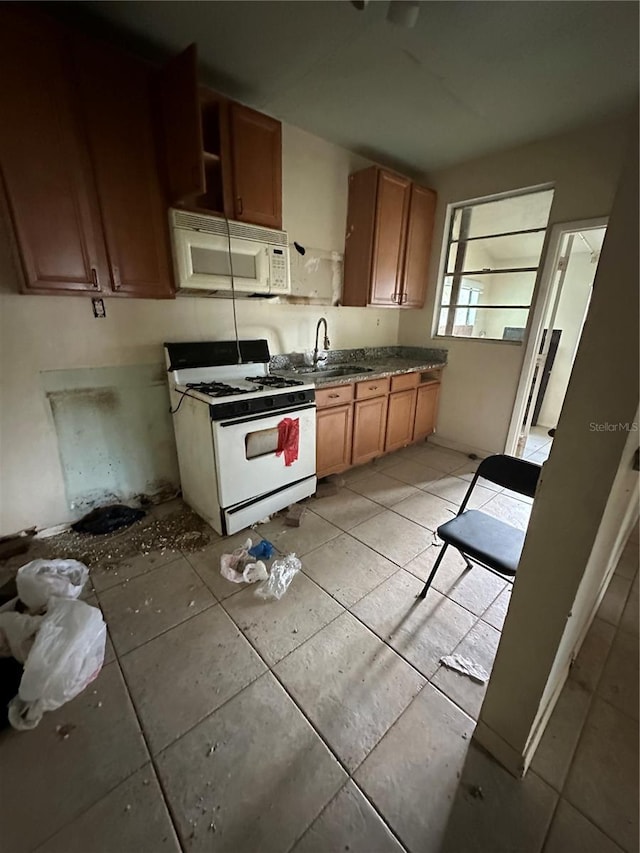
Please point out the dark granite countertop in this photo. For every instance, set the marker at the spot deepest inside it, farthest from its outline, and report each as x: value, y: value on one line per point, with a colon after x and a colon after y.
x: 382, y: 361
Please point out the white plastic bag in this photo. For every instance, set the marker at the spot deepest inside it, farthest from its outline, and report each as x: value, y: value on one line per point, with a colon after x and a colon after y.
x: 67, y: 655
x: 254, y: 572
x: 282, y: 573
x: 40, y: 579
x: 17, y: 634
x: 232, y: 565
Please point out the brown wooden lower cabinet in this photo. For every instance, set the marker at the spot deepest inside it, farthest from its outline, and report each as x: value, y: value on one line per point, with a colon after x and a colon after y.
x: 400, y: 419
x: 369, y: 424
x: 334, y: 427
x: 358, y: 422
x: 426, y: 410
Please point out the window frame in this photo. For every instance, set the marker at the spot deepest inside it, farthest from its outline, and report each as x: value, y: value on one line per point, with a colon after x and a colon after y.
x: 447, y: 241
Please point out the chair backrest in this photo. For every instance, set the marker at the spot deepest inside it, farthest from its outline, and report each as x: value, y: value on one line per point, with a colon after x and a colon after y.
x: 511, y: 473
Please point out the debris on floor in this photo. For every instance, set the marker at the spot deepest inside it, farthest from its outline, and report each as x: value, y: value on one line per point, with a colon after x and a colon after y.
x: 108, y: 519
x: 476, y: 792
x: 40, y: 579
x: 164, y: 528
x: 262, y: 551
x: 282, y: 573
x: 467, y: 667
x: 294, y: 515
x: 17, y: 543
x: 328, y: 487
x: 65, y: 730
x: 62, y: 650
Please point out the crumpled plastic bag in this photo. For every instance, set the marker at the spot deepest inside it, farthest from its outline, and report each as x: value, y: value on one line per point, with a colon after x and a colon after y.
x: 282, y: 573
x: 17, y: 634
x: 38, y: 580
x: 239, y: 567
x: 67, y: 655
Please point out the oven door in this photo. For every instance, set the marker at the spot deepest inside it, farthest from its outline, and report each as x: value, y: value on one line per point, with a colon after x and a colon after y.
x: 247, y: 465
x: 202, y: 262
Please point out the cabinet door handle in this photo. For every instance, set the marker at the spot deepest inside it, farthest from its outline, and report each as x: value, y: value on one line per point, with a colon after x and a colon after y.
x: 394, y: 297
x: 94, y: 277
x: 403, y: 298
x: 115, y: 272
x: 373, y: 387
x: 239, y: 200
x: 334, y: 396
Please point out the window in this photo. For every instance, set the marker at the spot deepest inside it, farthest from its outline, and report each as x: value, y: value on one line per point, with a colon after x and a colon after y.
x: 492, y: 259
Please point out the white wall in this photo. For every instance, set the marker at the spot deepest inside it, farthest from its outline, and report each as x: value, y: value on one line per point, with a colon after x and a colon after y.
x: 574, y: 299
x: 586, y: 501
x: 481, y: 379
x: 40, y: 333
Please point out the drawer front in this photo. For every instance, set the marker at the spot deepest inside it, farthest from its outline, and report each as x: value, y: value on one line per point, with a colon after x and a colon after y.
x: 372, y: 388
x: 404, y: 382
x: 333, y: 396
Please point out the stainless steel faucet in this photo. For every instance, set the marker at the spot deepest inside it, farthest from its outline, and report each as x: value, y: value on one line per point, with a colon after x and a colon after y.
x: 327, y: 342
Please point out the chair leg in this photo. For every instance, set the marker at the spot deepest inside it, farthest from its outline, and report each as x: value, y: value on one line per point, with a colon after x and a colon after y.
x: 423, y: 594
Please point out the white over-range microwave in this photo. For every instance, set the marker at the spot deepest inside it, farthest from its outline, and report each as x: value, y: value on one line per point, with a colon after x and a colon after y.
x: 208, y: 250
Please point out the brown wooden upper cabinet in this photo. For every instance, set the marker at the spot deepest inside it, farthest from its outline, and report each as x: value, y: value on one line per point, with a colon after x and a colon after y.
x: 115, y: 94
x: 221, y: 157
x: 388, y: 240
x: 78, y: 163
x: 45, y: 163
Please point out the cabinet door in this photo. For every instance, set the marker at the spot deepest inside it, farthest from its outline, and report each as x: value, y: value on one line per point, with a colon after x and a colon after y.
x: 369, y: 422
x: 182, y: 126
x: 44, y: 160
x: 256, y: 150
x: 116, y: 102
x: 418, y: 252
x: 426, y: 410
x: 400, y: 419
x: 392, y: 207
x: 333, y: 440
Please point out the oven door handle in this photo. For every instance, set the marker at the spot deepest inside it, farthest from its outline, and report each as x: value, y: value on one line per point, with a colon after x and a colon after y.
x: 284, y: 413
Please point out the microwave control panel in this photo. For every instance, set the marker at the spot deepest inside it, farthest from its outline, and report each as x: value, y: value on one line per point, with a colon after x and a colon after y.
x: 279, y: 268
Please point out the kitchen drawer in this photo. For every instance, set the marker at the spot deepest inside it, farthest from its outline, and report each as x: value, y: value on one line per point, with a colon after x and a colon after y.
x: 372, y: 388
x: 404, y: 382
x: 333, y: 396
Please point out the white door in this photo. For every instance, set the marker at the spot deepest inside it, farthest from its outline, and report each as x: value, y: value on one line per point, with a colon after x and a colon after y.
x: 247, y: 462
x: 547, y: 302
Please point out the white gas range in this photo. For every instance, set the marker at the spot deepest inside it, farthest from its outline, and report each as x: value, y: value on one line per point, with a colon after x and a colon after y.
x: 246, y: 440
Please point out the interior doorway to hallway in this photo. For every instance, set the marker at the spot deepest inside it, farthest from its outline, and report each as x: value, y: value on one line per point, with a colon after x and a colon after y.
x: 557, y: 323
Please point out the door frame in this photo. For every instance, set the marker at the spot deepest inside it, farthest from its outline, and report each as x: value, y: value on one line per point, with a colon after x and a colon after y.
x: 540, y: 311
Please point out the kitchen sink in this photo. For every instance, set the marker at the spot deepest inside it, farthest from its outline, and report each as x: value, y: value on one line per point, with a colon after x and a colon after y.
x: 343, y: 370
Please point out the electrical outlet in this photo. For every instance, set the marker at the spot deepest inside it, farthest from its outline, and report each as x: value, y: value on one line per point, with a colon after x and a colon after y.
x: 98, y: 308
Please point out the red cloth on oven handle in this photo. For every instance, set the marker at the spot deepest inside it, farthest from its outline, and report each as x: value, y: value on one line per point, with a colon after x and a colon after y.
x: 288, y: 439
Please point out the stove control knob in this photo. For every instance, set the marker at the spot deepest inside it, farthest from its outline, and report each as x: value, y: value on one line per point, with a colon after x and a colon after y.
x: 291, y: 398
x: 301, y: 395
x: 244, y: 407
x: 269, y: 403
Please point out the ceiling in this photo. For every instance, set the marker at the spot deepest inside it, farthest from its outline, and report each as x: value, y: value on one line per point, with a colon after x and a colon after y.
x: 470, y: 78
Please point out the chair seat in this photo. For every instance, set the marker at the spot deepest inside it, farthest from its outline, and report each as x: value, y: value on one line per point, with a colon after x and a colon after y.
x: 485, y: 538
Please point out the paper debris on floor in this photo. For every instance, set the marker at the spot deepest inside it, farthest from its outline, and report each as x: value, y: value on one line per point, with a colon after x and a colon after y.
x: 466, y: 667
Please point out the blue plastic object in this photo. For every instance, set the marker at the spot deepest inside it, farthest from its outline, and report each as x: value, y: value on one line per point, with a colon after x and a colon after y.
x: 262, y: 551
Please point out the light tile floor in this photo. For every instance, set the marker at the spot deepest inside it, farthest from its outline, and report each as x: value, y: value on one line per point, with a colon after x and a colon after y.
x: 324, y: 722
x: 538, y: 446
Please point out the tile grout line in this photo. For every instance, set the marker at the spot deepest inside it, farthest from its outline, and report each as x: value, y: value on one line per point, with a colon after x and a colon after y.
x: 593, y: 696
x: 152, y: 760
x: 270, y: 669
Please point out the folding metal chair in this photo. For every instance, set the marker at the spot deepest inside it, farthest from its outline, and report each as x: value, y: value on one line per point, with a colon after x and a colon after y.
x: 480, y: 537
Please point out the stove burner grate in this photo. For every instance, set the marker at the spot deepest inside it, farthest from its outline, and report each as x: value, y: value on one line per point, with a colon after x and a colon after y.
x: 217, y: 389
x: 273, y: 381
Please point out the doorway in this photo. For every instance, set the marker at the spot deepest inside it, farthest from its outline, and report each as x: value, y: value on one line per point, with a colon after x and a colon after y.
x: 562, y: 307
